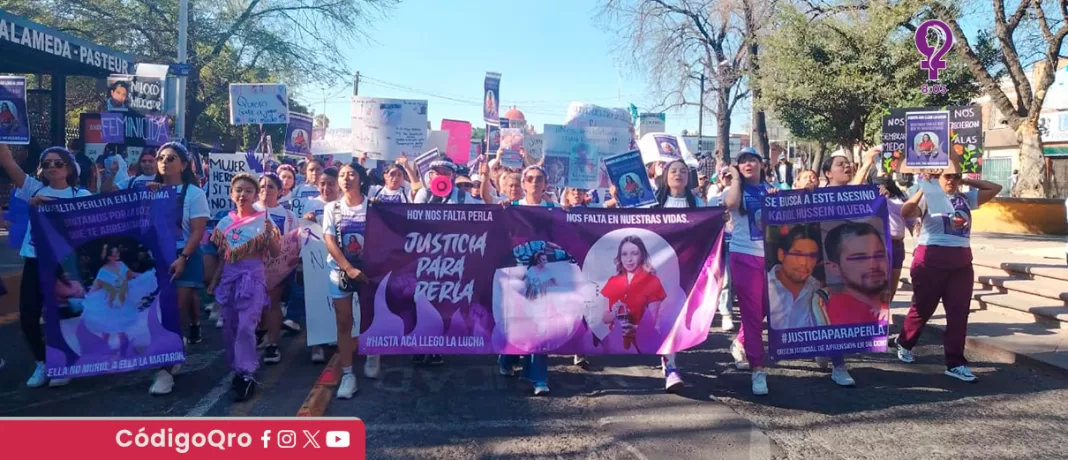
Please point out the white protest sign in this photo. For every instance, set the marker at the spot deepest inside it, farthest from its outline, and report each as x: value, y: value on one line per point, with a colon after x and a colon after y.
x: 258, y: 104
x: 651, y: 123
x: 573, y: 155
x: 534, y: 144
x: 583, y: 115
x: 437, y: 140
x: 319, y: 307
x: 387, y: 128
x: 222, y: 168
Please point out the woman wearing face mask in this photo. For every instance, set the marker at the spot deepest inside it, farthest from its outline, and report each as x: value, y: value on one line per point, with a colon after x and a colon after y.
x: 310, y: 187
x: 57, y: 177
x: 345, y: 220
x: 942, y: 265
x: 271, y: 187
x: 535, y: 366
x: 245, y: 237
x: 394, y: 190
x: 745, y: 200
x: 187, y: 271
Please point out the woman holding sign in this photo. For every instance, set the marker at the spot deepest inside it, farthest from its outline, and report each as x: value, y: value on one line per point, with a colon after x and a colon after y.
x: 942, y: 263
x: 57, y: 177
x: 271, y: 188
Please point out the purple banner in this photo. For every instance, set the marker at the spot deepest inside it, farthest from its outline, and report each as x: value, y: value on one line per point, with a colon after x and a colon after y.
x: 827, y: 255
x: 927, y: 140
x: 109, y: 304
x: 14, y: 119
x: 518, y: 280
x: 299, y: 134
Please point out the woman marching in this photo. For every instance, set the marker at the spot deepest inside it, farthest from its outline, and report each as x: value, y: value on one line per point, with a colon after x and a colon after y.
x: 174, y: 168
x: 271, y: 187
x: 57, y: 177
x: 345, y: 220
x: 245, y: 238
x: 328, y: 192
x: 310, y: 187
x: 394, y: 190
x: 942, y: 265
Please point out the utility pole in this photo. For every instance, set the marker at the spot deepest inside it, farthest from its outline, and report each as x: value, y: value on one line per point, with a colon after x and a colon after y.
x: 356, y: 85
x: 183, y: 39
x: 701, y: 114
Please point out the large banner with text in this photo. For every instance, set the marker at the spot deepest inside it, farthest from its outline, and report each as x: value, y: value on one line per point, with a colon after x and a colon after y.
x: 519, y: 280
x: 827, y: 255
x: 109, y: 303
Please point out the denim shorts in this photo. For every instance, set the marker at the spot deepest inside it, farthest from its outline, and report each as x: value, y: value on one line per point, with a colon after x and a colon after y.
x: 193, y: 276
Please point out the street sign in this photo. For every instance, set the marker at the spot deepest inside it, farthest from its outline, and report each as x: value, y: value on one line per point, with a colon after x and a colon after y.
x: 180, y: 70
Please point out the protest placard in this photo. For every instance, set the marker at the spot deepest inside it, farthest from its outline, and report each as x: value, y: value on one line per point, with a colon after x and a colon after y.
x: 927, y: 140
x: 385, y: 129
x: 258, y: 104
x: 298, y: 134
x: 136, y: 93
x: 459, y: 146
x: 491, y: 102
x: 14, y: 119
x: 632, y: 182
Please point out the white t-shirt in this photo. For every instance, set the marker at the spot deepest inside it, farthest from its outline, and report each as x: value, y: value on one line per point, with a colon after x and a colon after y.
x: 304, y: 191
x: 544, y: 203
x: 952, y: 230
x: 316, y: 206
x: 194, y: 206
x: 135, y: 182
x: 33, y: 187
x: 351, y: 221
x: 715, y: 200
x: 680, y: 202
x: 282, y: 218
x: 747, y: 236
x: 386, y: 195
x: 424, y: 196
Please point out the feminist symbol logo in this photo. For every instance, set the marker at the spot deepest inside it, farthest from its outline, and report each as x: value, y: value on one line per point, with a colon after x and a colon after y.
x: 935, y: 55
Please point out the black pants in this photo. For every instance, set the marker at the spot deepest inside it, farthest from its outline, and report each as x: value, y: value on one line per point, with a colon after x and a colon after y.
x: 31, y: 304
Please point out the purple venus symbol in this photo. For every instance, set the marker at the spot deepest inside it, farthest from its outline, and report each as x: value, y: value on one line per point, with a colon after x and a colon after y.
x: 935, y: 56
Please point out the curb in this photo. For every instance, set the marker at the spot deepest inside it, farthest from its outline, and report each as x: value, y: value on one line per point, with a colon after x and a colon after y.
x: 322, y: 392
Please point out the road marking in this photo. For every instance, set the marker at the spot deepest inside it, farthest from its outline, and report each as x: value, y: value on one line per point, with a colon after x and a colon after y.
x: 557, y: 424
x: 208, y: 401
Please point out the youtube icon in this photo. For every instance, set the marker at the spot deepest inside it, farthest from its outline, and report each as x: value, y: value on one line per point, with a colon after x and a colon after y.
x: 337, y: 439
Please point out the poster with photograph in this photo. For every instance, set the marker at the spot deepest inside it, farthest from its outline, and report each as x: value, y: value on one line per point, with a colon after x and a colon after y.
x: 827, y: 255
x: 965, y: 137
x: 631, y: 180
x: 14, y: 120
x: 136, y: 93
x: 298, y: 134
x: 459, y: 144
x: 491, y: 101
x: 927, y: 140
x: 493, y: 137
x: 511, y: 143
x: 385, y: 129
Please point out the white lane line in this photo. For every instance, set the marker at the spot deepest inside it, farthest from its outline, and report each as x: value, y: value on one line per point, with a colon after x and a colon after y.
x: 479, y: 425
x: 209, y: 400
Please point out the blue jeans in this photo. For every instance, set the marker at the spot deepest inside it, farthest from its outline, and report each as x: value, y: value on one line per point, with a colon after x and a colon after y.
x: 295, y: 301
x: 535, y: 367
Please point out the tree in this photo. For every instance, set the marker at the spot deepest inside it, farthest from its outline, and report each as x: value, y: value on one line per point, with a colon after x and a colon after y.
x: 1028, y: 25
x: 292, y: 41
x: 673, y: 39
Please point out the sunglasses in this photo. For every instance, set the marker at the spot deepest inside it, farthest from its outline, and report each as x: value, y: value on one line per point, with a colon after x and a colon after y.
x: 49, y: 164
x: 465, y: 186
x: 166, y: 158
x: 951, y: 176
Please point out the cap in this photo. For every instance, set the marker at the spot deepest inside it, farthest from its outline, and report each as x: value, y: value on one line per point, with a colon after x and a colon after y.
x: 782, y: 156
x: 463, y: 180
x: 748, y: 151
x: 476, y: 177
x: 443, y: 164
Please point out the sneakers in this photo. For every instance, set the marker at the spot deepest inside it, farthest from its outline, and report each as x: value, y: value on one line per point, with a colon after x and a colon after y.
x: 841, y: 376
x: 318, y: 355
x: 738, y: 353
x: 244, y: 387
x: 962, y: 373
x: 347, y: 388
x: 505, y: 370
x: 261, y: 339
x: 218, y: 321
x: 162, y: 383
x: 727, y: 324
x: 195, y: 335
x: 39, y: 377
x: 272, y: 355
x: 672, y: 381
x: 291, y: 326
x: 823, y: 362
x: 760, y: 383
x: 541, y: 389
x: 372, y: 368
x: 905, y: 356
x: 580, y: 361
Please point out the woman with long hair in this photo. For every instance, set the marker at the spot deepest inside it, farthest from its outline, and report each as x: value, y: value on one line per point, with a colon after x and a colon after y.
x: 288, y: 175
x: 271, y: 187
x: 942, y: 265
x: 310, y: 188
x: 394, y: 189
x: 174, y: 168
x: 245, y: 237
x: 343, y: 220
x: 57, y: 177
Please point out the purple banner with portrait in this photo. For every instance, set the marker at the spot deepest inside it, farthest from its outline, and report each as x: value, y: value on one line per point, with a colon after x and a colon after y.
x: 109, y: 304
x: 515, y: 280
x: 14, y: 119
x: 927, y: 140
x: 827, y: 255
x: 299, y: 134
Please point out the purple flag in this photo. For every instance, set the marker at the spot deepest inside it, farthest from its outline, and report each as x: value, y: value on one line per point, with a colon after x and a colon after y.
x: 109, y: 304
x: 487, y: 279
x: 828, y: 271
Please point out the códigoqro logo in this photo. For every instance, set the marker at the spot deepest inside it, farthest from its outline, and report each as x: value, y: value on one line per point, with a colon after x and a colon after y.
x: 935, y: 56
x: 200, y: 438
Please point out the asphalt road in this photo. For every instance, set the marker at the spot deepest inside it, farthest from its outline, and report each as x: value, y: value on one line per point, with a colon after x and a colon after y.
x: 615, y: 410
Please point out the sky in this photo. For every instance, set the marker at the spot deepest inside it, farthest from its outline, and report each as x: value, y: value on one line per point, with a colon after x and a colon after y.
x: 550, y: 53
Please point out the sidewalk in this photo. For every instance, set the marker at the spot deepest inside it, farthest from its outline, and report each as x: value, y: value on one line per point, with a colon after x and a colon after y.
x: 1015, y: 335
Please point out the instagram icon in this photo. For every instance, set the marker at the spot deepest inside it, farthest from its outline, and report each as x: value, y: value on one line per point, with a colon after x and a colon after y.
x: 287, y: 439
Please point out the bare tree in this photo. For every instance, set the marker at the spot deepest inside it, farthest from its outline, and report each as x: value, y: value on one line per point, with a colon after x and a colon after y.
x: 677, y: 41
x: 1027, y: 23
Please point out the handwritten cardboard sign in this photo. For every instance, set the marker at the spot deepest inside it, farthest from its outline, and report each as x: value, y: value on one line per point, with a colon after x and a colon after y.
x: 259, y: 104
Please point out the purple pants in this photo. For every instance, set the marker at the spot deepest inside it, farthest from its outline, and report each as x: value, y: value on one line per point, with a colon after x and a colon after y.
x: 750, y: 284
x: 940, y: 273
x: 242, y: 293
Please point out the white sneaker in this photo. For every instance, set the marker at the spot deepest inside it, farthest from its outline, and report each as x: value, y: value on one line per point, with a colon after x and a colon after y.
x: 738, y: 353
x: 219, y: 322
x: 39, y: 377
x: 291, y: 326
x: 318, y: 355
x: 823, y: 362
x: 162, y: 383
x: 541, y: 389
x: 841, y: 376
x: 214, y: 315
x: 760, y: 383
x: 904, y: 355
x: 962, y: 373
x: 347, y: 388
x: 727, y: 323
x: 372, y: 368
x: 56, y: 383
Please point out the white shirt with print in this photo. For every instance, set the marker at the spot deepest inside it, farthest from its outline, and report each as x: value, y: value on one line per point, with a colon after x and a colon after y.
x: 33, y: 187
x: 350, y: 221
